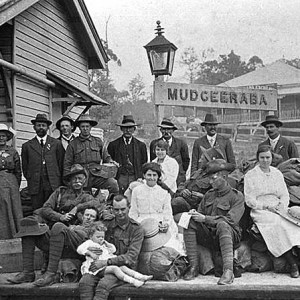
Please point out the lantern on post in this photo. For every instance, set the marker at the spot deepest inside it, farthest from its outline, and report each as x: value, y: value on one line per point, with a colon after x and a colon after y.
x: 161, y: 54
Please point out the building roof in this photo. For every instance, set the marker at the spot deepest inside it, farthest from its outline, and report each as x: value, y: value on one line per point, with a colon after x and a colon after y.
x: 80, y: 18
x: 278, y: 73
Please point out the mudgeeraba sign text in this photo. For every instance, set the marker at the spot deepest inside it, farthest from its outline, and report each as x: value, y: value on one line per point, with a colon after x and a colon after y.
x: 169, y: 93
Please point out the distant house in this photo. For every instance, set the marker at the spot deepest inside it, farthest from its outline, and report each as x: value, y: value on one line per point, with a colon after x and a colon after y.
x: 46, y: 50
x: 279, y: 75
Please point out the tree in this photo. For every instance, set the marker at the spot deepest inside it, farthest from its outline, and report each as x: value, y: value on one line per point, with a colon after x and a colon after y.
x: 136, y: 88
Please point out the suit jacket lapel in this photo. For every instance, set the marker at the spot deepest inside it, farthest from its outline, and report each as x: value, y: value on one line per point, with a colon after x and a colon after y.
x: 279, y: 146
x: 48, y: 144
x: 35, y: 145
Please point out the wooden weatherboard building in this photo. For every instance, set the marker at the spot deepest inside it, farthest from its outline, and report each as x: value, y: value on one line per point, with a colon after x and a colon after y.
x: 46, y: 50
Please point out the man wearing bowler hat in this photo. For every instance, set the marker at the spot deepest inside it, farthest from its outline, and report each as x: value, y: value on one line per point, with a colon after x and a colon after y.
x: 60, y: 241
x: 66, y: 127
x: 211, y: 140
x: 215, y: 224
x: 279, y: 144
x: 129, y: 152
x: 89, y: 151
x: 42, y: 162
x: 178, y: 148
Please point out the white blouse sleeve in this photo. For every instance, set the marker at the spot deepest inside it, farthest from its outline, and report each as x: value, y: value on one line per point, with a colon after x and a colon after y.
x: 250, y: 188
x: 171, y: 172
x: 283, y: 194
x: 167, y: 208
x: 133, y: 211
x: 82, y: 249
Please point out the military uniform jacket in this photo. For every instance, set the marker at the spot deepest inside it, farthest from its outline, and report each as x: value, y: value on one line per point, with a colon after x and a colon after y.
x: 285, y: 147
x: 128, y: 239
x: 140, y: 155
x: 226, y: 205
x: 178, y: 150
x: 222, y: 143
x: 32, y: 162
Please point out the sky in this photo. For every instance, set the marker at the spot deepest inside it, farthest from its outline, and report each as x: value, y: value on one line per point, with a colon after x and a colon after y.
x: 266, y: 28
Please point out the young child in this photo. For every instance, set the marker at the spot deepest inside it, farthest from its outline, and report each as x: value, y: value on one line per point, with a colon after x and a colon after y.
x: 96, y: 240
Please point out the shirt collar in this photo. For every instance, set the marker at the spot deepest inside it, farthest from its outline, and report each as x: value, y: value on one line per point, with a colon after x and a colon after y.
x: 129, y: 141
x: 211, y: 137
x: 44, y: 138
x: 169, y: 141
x: 123, y: 227
x: 67, y: 138
x: 274, y: 141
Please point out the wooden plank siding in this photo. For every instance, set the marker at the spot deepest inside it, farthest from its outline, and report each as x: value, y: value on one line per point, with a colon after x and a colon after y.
x: 44, y: 40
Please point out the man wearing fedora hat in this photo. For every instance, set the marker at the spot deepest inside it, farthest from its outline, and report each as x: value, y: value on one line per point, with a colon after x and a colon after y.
x: 42, y: 162
x: 279, y: 144
x: 129, y: 152
x: 178, y: 148
x: 89, y: 151
x: 212, y: 139
x: 216, y: 222
x: 65, y: 125
x: 60, y: 241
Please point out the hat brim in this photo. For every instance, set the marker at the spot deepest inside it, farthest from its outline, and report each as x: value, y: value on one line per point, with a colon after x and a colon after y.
x: 9, y: 134
x: 93, y: 123
x: 209, y: 123
x: 68, y: 176
x: 287, y: 216
x: 57, y: 124
x: 42, y: 230
x: 167, y: 127
x: 276, y: 122
x: 41, y: 121
x: 128, y: 125
x: 155, y: 242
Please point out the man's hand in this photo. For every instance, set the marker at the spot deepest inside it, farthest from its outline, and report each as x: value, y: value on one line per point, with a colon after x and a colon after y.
x: 66, y: 217
x: 107, y: 215
x: 97, y: 264
x: 186, y: 193
x: 95, y: 250
x: 196, y: 216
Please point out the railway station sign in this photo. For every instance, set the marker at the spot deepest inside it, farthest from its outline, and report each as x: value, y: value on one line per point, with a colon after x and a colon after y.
x: 198, y: 95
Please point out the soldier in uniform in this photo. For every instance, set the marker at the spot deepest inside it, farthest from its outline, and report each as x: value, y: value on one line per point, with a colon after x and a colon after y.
x: 89, y: 151
x: 216, y: 222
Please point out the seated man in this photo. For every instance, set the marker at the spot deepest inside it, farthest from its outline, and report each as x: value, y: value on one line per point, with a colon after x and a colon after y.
x: 190, y: 193
x: 127, y: 236
x: 216, y: 223
x: 60, y: 241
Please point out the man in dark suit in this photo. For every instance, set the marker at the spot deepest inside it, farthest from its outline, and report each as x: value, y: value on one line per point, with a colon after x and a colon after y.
x: 279, y: 144
x: 42, y: 162
x: 129, y: 152
x: 211, y: 140
x: 178, y: 148
x: 66, y: 127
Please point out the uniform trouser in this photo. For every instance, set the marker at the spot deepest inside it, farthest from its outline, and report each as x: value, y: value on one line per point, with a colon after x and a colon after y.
x: 60, y: 242
x: 124, y: 180
x: 96, y: 287
x: 222, y: 237
x: 110, y: 184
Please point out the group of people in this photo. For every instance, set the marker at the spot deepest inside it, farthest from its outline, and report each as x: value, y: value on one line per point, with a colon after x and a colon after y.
x: 61, y: 173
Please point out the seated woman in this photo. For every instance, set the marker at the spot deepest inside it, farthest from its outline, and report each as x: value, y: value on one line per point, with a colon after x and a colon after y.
x: 266, y: 193
x: 149, y: 200
x: 169, y: 165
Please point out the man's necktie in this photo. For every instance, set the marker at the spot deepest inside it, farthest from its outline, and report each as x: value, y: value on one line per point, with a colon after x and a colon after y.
x: 211, y: 141
x: 127, y: 141
x: 42, y: 143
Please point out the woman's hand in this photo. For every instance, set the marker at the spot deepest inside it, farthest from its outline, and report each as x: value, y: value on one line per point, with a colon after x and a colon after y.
x: 95, y: 250
x: 186, y: 193
x: 163, y: 227
x: 196, y: 216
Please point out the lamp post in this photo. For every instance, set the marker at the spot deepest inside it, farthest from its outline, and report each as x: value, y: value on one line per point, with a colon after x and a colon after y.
x: 161, y: 55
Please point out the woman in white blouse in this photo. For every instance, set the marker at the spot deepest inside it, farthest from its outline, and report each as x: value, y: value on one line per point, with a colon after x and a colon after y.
x: 169, y: 165
x: 149, y: 200
x: 266, y: 193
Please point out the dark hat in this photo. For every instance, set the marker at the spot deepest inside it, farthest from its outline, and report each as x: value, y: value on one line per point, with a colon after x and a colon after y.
x: 41, y: 118
x: 31, y: 226
x: 76, y: 169
x: 218, y: 165
x: 212, y: 153
x: 65, y: 118
x: 9, y: 131
x: 128, y: 121
x: 153, y: 238
x: 166, y: 123
x: 86, y: 118
x: 272, y: 119
x: 210, y: 119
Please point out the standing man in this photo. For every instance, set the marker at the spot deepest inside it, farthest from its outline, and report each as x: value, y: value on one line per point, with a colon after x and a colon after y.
x: 42, y: 162
x: 89, y: 151
x: 129, y: 152
x: 65, y: 125
x: 127, y: 235
x: 211, y: 140
x: 178, y: 149
x: 216, y: 222
x: 279, y: 144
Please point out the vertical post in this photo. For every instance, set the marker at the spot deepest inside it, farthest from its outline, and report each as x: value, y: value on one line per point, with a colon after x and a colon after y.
x: 159, y: 109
